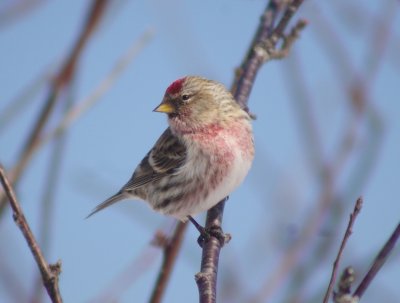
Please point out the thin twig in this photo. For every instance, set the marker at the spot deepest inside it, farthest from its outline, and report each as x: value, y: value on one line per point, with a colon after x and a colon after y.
x: 101, y: 88
x: 261, y: 50
x: 263, y: 47
x: 15, y: 10
x: 137, y: 267
x: 327, y: 171
x: 49, y: 272
x: 104, y: 85
x: 353, y: 216
x: 171, y: 250
x: 48, y: 198
x: 61, y: 81
x: 378, y: 263
x: 356, y: 87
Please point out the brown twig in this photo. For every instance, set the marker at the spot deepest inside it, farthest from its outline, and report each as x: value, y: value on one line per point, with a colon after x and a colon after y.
x: 137, y: 267
x: 16, y: 10
x: 378, y: 263
x: 296, y: 267
x: 49, y: 272
x: 171, y: 250
x: 103, y: 86
x: 61, y: 81
x: 48, y: 198
x: 206, y: 279
x: 353, y: 216
x: 262, y: 49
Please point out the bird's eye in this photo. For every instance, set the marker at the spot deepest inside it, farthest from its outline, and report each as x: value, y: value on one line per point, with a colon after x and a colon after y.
x: 185, y: 97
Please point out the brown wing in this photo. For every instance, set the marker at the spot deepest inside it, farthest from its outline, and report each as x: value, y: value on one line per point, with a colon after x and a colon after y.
x: 166, y: 157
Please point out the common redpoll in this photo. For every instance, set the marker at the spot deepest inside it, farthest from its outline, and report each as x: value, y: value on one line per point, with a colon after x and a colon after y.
x: 202, y: 156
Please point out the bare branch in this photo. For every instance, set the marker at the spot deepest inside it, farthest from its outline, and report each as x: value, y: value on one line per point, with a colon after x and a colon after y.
x: 89, y: 101
x: 344, y: 292
x: 59, y: 83
x: 263, y: 47
x: 264, y: 42
x: 50, y: 272
x: 171, y: 250
x: 206, y: 279
x: 353, y: 216
x: 378, y: 263
x: 137, y: 267
x: 9, y: 14
x: 48, y: 200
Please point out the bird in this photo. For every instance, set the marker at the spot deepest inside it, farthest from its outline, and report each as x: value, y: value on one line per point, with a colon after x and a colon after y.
x: 201, y: 158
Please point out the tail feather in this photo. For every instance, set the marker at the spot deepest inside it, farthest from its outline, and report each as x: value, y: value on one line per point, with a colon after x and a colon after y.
x: 110, y: 201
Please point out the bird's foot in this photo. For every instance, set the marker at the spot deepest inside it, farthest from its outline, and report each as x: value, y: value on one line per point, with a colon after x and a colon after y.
x: 207, y: 233
x: 216, y: 232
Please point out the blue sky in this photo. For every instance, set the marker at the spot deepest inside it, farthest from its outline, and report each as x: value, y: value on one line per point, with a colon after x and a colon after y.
x: 107, y: 142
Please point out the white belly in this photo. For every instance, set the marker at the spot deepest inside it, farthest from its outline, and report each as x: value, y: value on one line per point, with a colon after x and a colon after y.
x: 237, y: 171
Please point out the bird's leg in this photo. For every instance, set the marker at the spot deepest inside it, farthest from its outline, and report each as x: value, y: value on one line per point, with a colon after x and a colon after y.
x: 200, y: 228
x: 207, y: 233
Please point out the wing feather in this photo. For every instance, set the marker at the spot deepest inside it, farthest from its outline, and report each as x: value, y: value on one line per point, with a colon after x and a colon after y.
x: 165, y: 158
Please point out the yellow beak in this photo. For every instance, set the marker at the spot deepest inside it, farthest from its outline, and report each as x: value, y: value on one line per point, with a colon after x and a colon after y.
x: 167, y: 108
